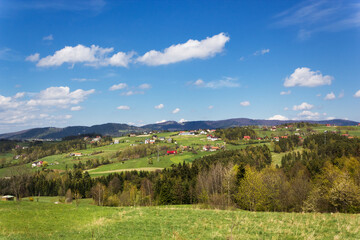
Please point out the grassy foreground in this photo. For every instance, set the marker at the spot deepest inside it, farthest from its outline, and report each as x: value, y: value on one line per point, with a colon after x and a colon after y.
x: 46, y: 220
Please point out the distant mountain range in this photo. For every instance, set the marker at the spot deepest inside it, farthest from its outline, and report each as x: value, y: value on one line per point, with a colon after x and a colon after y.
x: 116, y: 129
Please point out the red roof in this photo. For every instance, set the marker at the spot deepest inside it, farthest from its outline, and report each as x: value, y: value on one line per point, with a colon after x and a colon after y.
x: 247, y: 137
x: 171, y: 152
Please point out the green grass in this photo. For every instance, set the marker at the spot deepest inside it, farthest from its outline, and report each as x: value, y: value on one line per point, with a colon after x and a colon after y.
x: 142, y: 163
x: 46, y: 220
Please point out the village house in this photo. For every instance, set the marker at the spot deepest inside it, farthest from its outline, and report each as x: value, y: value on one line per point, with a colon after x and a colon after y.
x: 171, y: 152
x: 37, y: 164
x: 116, y: 141
x: 182, y: 133
x: 247, y: 137
x: 212, y: 138
x: 276, y: 139
x: 75, y: 154
x: 7, y: 198
x: 161, y: 138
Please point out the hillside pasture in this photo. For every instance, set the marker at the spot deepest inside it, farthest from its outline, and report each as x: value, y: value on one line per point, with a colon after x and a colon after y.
x: 46, y: 220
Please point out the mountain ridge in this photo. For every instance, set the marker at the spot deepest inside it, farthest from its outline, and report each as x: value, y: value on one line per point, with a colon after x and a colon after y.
x: 120, y: 129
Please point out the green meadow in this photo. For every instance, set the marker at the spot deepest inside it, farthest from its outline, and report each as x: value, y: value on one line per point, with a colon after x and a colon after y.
x: 46, y: 220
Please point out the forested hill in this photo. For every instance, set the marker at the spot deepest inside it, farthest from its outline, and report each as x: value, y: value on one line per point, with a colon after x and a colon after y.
x: 116, y: 129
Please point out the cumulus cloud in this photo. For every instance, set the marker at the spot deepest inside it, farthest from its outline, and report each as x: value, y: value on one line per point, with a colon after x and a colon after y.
x: 160, y: 106
x: 59, y: 97
x: 91, y: 56
x: 123, y: 107
x: 192, y: 49
x: 130, y: 93
x: 357, y: 94
x: 199, y: 82
x: 76, y: 108
x: 303, y: 106
x: 330, y: 96
x: 225, y: 82
x: 118, y: 86
x: 261, y: 52
x: 309, y: 115
x: 33, y: 58
x: 162, y: 121
x: 285, y: 92
x: 145, y: 86
x: 278, y: 117
x: 84, y: 79
x: 304, y: 77
x: 37, y: 109
x: 176, y: 110
x: 182, y: 120
x: 245, y: 103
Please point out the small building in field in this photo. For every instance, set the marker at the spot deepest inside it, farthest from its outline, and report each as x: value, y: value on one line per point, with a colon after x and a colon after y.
x: 75, y: 154
x: 247, y: 137
x: 116, y: 141
x: 7, y: 198
x: 171, y: 152
x: 284, y: 136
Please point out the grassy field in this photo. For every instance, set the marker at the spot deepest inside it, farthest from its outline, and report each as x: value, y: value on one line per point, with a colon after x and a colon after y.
x: 46, y: 220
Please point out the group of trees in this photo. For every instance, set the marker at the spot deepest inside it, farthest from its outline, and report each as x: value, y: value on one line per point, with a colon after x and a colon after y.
x: 287, y: 144
x: 230, y: 135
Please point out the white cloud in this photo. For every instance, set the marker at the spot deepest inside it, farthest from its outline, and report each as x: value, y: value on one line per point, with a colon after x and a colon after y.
x: 145, y: 86
x: 91, y: 56
x: 192, y: 49
x: 39, y: 109
x: 330, y: 118
x: 59, y: 97
x: 330, y: 96
x: 286, y: 108
x: 130, y: 93
x: 303, y: 106
x: 199, y: 82
x: 160, y: 106
x: 310, y: 17
x: 19, y: 95
x: 285, y: 93
x: 309, y: 115
x: 119, y: 59
x: 182, y: 120
x: 278, y: 117
x: 304, y: 77
x: 162, y: 121
x: 118, y: 86
x: 242, y: 58
x: 261, y: 52
x: 123, y: 107
x: 225, y: 82
x: 357, y: 94
x: 77, y: 108
x: 33, y: 58
x: 48, y: 38
x: 245, y: 103
x: 176, y: 110
x: 210, y: 107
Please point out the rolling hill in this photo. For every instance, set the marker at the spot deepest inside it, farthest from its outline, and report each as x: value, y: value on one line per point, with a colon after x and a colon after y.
x: 116, y: 129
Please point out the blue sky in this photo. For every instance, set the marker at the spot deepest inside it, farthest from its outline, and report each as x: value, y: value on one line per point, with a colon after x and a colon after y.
x: 91, y: 62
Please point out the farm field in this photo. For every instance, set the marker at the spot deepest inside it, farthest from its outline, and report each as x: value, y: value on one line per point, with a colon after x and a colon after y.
x: 87, y: 221
x: 61, y: 162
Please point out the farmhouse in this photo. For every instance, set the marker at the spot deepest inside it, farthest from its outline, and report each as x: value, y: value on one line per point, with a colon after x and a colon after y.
x: 171, y: 152
x: 75, y: 154
x: 116, y: 141
x: 7, y: 198
x: 186, y: 133
x: 212, y: 138
x: 247, y: 137
x: 37, y: 164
